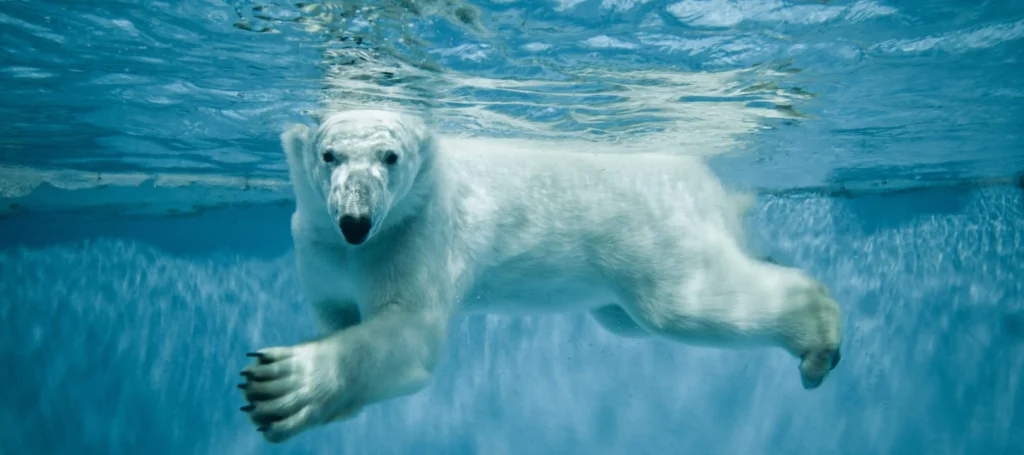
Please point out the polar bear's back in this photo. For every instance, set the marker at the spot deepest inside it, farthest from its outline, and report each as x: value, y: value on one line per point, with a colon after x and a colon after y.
x: 677, y: 192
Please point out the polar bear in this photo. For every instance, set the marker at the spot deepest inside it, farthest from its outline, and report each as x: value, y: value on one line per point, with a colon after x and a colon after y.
x: 396, y: 231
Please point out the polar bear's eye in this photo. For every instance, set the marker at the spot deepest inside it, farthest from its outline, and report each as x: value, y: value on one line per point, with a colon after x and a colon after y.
x: 390, y: 158
x: 328, y: 157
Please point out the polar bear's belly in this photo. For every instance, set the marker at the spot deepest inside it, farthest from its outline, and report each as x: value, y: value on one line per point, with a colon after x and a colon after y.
x: 523, y: 289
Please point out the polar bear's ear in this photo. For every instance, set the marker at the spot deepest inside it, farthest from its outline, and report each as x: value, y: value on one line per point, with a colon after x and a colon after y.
x: 295, y: 141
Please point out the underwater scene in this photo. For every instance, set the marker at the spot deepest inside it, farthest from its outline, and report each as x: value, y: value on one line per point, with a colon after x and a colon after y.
x: 147, y: 242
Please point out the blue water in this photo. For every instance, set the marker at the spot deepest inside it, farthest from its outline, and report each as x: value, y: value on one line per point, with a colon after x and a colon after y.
x: 144, y: 243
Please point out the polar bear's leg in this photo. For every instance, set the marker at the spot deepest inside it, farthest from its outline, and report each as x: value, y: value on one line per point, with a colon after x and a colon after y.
x: 800, y: 317
x: 614, y: 319
x: 814, y: 334
x: 294, y: 388
x: 335, y: 316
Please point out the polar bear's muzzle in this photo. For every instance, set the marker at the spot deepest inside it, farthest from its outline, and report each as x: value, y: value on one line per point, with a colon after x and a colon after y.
x: 361, y: 198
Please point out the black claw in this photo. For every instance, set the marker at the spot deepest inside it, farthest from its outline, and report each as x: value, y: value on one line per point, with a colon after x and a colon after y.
x: 259, y: 356
x: 246, y: 374
x: 835, y: 360
x: 242, y: 386
x: 247, y: 408
x: 262, y: 429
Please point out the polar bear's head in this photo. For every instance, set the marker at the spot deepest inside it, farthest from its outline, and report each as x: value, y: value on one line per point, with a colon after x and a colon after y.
x: 363, y: 164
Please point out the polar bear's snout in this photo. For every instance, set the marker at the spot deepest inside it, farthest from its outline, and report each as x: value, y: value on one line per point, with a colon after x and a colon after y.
x: 358, y: 199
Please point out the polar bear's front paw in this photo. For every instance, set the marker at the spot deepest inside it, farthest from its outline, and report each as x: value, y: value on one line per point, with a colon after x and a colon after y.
x: 291, y: 389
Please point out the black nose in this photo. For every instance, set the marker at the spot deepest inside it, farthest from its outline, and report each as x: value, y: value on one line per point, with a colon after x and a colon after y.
x: 354, y: 228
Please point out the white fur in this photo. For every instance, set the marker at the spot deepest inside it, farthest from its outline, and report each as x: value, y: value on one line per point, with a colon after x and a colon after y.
x: 647, y: 244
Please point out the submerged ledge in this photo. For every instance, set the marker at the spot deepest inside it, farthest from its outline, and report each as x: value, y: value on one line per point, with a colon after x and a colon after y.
x: 41, y: 190
x: 28, y: 190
